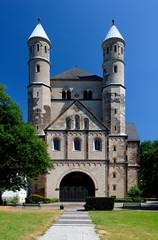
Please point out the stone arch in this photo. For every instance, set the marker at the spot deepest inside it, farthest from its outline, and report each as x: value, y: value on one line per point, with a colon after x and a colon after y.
x: 75, y: 186
x: 76, y: 170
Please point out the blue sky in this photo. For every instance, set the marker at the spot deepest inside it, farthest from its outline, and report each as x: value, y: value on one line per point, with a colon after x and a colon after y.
x: 77, y: 29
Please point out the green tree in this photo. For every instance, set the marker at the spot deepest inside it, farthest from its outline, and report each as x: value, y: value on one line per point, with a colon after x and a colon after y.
x: 134, y: 192
x: 23, y: 155
x: 149, y: 168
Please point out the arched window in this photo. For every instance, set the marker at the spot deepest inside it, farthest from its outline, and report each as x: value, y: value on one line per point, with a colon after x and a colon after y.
x: 63, y: 95
x: 87, y: 95
x: 97, y: 144
x: 90, y: 95
x: 45, y: 48
x: 114, y: 175
x: 66, y: 94
x: 86, y: 123
x: 114, y: 159
x: 77, y: 144
x: 38, y: 47
x: 77, y: 122
x: 56, y: 144
x: 68, y: 123
x: 107, y: 50
x: 115, y: 69
x: 37, y: 68
x: 114, y: 148
x: 121, y: 50
x: 115, y: 48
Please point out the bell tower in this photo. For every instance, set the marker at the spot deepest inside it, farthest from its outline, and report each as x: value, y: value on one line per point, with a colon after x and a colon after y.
x: 113, y: 94
x: 39, y: 91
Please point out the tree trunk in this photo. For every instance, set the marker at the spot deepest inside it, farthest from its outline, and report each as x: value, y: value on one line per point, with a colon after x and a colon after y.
x: 1, y: 201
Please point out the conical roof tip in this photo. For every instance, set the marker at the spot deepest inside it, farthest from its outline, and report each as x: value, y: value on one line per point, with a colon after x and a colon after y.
x: 39, y: 32
x: 113, y: 33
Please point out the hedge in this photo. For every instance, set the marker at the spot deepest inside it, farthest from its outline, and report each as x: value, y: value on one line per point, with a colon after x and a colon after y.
x: 99, y: 203
x: 35, y: 198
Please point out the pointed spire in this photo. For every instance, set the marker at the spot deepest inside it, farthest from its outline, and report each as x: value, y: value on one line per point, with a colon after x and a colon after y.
x: 113, y: 22
x: 114, y: 32
x: 39, y: 32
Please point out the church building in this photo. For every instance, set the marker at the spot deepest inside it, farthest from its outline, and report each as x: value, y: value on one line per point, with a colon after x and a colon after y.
x: 81, y: 116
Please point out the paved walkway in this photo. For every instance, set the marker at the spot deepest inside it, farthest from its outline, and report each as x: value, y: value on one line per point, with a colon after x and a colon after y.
x: 72, y: 225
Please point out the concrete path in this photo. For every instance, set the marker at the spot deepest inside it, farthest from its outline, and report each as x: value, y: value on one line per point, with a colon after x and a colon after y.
x: 72, y: 225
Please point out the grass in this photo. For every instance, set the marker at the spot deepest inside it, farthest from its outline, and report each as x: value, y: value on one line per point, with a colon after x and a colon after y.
x: 126, y: 225
x: 22, y: 224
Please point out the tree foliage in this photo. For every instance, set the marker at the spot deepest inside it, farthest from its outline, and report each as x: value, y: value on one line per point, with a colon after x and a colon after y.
x: 149, y: 168
x: 134, y: 192
x: 23, y: 155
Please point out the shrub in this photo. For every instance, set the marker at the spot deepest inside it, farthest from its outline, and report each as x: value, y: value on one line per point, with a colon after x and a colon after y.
x: 53, y: 200
x: 13, y: 200
x: 122, y: 200
x: 35, y: 198
x: 99, y: 203
x: 134, y: 192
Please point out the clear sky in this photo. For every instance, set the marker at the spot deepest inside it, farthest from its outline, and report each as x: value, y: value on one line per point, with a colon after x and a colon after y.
x: 77, y: 29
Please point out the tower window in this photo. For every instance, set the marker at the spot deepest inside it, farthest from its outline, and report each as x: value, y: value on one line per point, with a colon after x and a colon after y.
x: 114, y: 148
x: 114, y: 187
x: 77, y: 144
x: 97, y: 144
x: 38, y: 47
x: 115, y: 110
x: 115, y: 48
x: 114, y: 159
x: 56, y: 144
x: 107, y: 50
x: 114, y: 175
x: 115, y: 69
x: 45, y: 48
x: 121, y: 50
x: 37, y: 68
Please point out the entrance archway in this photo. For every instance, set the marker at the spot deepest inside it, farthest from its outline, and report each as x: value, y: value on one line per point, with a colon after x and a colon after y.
x: 75, y: 186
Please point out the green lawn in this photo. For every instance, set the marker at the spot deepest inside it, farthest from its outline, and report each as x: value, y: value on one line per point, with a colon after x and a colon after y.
x: 25, y: 224
x: 126, y: 225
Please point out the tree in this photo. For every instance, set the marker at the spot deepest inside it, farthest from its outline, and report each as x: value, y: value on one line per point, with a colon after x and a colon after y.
x: 149, y: 168
x: 134, y: 192
x: 23, y: 155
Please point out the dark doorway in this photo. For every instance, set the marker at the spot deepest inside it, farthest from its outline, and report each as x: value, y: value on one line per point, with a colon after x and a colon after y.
x: 75, y: 186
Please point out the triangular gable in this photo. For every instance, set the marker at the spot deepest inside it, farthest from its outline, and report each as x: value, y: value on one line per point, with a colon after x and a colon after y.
x: 76, y: 74
x: 77, y: 108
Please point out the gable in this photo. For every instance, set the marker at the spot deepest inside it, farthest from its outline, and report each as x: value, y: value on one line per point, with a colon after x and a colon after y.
x: 77, y: 112
x: 76, y: 74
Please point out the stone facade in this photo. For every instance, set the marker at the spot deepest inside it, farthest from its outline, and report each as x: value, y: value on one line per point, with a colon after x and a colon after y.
x: 82, y: 118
